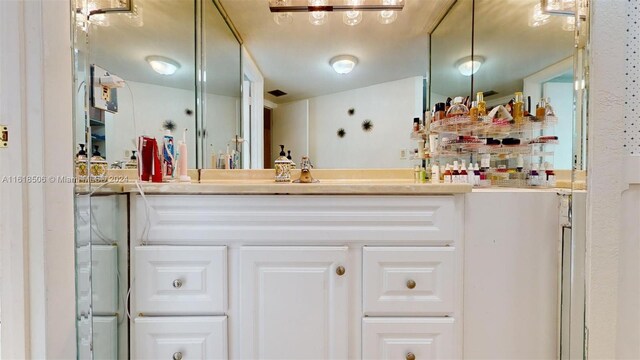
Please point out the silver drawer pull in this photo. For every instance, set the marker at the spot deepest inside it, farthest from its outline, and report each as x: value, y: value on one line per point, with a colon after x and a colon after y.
x: 177, y: 283
x: 177, y: 356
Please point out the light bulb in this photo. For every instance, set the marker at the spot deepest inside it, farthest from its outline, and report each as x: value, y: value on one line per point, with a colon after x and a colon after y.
x: 317, y: 17
x: 283, y: 18
x: 352, y: 18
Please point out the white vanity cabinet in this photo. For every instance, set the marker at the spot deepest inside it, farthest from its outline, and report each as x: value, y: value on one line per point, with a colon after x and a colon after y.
x: 295, y: 302
x: 297, y: 277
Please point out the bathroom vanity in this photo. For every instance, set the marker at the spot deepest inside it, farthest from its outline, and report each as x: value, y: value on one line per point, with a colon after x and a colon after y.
x: 391, y: 270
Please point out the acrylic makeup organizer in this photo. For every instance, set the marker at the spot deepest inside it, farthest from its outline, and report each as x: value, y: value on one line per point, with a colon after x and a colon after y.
x: 505, y: 143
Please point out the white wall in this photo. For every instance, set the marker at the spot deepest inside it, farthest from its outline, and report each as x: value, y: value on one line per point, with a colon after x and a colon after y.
x: 222, y: 118
x: 561, y: 95
x: 390, y: 106
x: 290, y: 127
x: 605, y: 159
x: 153, y: 105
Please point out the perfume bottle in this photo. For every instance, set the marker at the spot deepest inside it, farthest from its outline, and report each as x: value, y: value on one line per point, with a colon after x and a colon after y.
x: 458, y: 108
x: 482, y: 105
x: 518, y: 109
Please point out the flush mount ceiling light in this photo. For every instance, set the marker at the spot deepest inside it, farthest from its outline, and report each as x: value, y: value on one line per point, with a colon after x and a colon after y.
x: 469, y: 65
x: 343, y: 64
x: 163, y: 65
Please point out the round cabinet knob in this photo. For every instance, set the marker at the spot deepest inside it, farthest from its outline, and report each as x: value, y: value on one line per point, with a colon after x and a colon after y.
x: 340, y: 270
x: 410, y: 356
x: 177, y: 356
x: 177, y: 283
x: 411, y: 284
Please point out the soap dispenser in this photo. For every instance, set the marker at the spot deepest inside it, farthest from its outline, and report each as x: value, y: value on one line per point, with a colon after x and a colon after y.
x: 98, y: 166
x: 81, y: 164
x: 133, y: 161
x: 283, y: 167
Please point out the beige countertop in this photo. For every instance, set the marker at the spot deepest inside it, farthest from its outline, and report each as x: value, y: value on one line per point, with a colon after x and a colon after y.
x: 324, y: 187
x: 331, y: 182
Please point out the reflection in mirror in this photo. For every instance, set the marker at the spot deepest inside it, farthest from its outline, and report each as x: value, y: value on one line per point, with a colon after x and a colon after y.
x: 524, y: 50
x: 154, y: 55
x: 308, y: 102
x: 451, y: 42
x: 222, y: 97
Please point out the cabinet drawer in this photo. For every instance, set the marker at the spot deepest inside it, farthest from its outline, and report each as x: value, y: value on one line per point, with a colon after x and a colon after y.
x: 408, y: 338
x: 181, y: 280
x: 181, y: 338
x: 417, y: 281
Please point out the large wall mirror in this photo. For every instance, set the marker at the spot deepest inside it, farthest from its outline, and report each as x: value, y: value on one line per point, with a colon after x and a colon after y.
x: 361, y: 119
x: 517, y: 48
x: 180, y: 71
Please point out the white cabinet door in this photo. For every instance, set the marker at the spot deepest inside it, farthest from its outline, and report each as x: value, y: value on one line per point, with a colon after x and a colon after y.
x: 104, y: 279
x: 294, y: 302
x: 409, y: 338
x: 181, y: 280
x: 415, y: 281
x: 196, y: 337
x: 105, y: 338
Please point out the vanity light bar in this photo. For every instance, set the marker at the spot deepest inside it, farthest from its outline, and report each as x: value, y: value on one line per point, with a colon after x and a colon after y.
x: 311, y: 8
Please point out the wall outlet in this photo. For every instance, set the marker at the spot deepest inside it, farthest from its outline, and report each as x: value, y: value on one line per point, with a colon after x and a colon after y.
x: 403, y: 154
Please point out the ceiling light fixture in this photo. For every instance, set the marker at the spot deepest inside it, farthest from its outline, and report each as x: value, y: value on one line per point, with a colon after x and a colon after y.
x: 469, y: 65
x: 283, y: 18
x: 277, y: 6
x: 353, y: 17
x: 388, y: 16
x: 163, y: 65
x: 317, y: 17
x: 343, y: 64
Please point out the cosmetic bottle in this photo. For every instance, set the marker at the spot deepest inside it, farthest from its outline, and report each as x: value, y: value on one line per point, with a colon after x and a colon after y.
x: 435, y: 174
x: 416, y: 174
x: 455, y: 174
x: 476, y: 175
x: 439, y: 111
x: 549, y: 109
x: 473, y: 112
x: 424, y: 175
x: 457, y: 109
x: 518, y: 109
x: 482, y: 105
x: 534, y: 176
x: 520, y: 163
x: 464, y: 175
x: 550, y: 175
x: 448, y: 175
x: 416, y: 124
x: 541, y: 109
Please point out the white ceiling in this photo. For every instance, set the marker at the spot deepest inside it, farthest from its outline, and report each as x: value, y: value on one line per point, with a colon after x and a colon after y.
x: 295, y: 57
x: 512, y: 49
x: 169, y: 31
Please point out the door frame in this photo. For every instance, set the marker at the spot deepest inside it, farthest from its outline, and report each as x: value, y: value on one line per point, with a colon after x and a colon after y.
x: 253, y: 120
